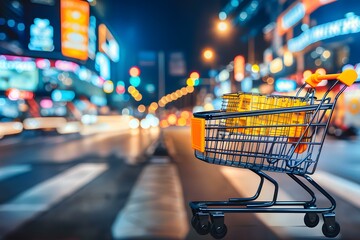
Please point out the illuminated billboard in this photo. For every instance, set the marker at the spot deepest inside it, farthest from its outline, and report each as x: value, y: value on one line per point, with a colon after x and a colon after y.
x: 296, y: 12
x: 348, y: 25
x: 74, y: 28
x: 18, y: 73
x: 41, y: 35
x: 108, y: 44
x: 239, y: 68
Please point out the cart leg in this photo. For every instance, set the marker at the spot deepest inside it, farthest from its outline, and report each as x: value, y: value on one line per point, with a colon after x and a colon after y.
x: 218, y: 228
x: 311, y: 219
x: 276, y: 190
x: 330, y: 227
x: 310, y: 203
x: 322, y: 191
x: 256, y: 195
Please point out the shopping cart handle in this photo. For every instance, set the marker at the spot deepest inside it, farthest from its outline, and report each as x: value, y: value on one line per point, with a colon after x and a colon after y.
x: 347, y: 77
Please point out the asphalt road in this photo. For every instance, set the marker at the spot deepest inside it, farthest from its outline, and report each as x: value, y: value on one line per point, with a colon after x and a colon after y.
x: 118, y: 186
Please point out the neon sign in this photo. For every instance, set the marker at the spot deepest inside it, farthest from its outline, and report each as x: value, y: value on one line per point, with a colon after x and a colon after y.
x: 296, y: 12
x: 285, y: 85
x: 108, y: 44
x: 19, y: 66
x: 102, y: 64
x: 41, y: 36
x: 239, y: 68
x: 92, y: 37
x: 349, y: 24
x: 74, y: 28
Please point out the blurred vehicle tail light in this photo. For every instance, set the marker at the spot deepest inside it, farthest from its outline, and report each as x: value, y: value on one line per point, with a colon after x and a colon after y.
x: 134, y: 123
x: 44, y: 123
x: 103, y: 124
x: 10, y: 128
x: 16, y: 94
x: 69, y: 127
x: 145, y: 123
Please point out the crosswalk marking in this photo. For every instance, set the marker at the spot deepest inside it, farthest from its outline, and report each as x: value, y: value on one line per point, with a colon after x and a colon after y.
x: 155, y: 207
x: 285, y: 226
x: 343, y: 188
x: 10, y: 171
x: 46, y: 194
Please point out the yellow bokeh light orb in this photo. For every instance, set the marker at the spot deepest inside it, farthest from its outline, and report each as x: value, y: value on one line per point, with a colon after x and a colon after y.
x: 172, y: 119
x: 181, y: 122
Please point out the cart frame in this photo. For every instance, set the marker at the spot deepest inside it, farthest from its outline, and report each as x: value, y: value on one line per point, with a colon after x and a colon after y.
x: 289, y: 162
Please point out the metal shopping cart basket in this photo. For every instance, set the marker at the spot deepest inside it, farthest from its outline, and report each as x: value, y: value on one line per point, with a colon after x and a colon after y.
x: 268, y: 133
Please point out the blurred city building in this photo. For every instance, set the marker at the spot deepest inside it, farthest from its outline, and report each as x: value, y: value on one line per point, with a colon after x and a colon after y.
x: 56, y: 59
x: 301, y: 37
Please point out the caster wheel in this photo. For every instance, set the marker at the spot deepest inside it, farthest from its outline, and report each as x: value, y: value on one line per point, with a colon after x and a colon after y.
x: 331, y: 231
x: 200, y: 229
x: 311, y: 220
x: 218, y: 232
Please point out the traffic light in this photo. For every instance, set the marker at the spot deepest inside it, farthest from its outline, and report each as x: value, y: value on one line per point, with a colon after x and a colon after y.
x: 193, y: 80
x: 135, y: 79
x: 134, y: 72
x: 120, y: 87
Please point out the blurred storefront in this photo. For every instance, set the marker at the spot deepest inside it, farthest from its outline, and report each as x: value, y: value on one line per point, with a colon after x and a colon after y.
x: 315, y: 36
x: 55, y: 57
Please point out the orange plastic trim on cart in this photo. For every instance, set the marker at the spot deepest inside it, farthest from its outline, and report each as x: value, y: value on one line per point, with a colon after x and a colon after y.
x: 198, y: 134
x: 347, y: 77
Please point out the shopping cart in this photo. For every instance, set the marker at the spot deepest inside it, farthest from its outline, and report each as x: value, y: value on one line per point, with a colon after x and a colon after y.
x: 272, y: 133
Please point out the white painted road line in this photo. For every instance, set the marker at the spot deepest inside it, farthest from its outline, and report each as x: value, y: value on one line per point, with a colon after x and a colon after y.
x: 10, y: 171
x: 155, y: 207
x: 347, y: 190
x: 284, y: 225
x: 45, y: 195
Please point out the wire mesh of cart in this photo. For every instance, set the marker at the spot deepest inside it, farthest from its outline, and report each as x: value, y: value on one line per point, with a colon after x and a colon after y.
x: 274, y: 133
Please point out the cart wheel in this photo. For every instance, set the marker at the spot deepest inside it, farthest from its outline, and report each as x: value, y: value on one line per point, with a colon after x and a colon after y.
x: 331, y: 231
x: 200, y: 229
x: 311, y: 220
x: 218, y: 232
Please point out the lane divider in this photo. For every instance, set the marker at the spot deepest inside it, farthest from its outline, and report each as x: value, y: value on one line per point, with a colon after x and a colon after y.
x: 155, y: 208
x: 13, y: 170
x: 45, y: 195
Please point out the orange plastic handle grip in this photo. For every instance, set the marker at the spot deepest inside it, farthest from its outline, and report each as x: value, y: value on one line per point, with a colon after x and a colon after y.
x: 347, y: 77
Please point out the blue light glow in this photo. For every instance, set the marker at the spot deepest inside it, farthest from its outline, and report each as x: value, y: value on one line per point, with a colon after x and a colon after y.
x: 135, y: 81
x: 222, y: 16
x: 285, y: 85
x: 234, y: 3
x: 349, y: 24
x: 294, y: 15
x: 62, y: 95
x: 246, y: 84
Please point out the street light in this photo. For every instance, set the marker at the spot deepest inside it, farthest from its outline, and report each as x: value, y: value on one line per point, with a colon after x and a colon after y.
x: 222, y: 26
x: 208, y: 54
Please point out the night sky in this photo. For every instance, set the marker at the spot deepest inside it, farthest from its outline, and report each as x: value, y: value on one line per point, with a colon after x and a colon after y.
x: 170, y: 25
